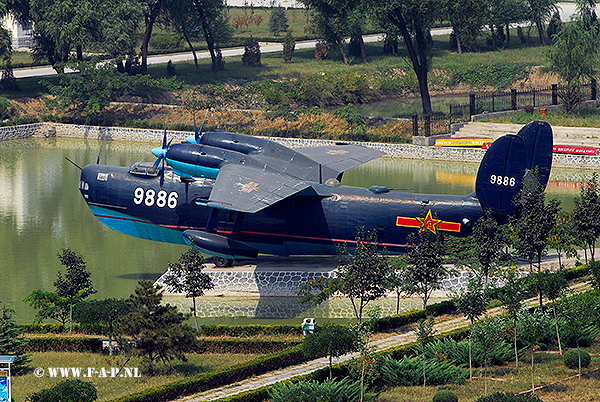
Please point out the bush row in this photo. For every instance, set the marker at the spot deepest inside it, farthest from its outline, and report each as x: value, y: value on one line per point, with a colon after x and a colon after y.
x: 60, y: 344
x: 230, y: 375
x: 81, y: 344
x: 249, y: 330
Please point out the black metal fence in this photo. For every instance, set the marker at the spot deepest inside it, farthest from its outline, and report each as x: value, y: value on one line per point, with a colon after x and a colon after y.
x: 494, y: 102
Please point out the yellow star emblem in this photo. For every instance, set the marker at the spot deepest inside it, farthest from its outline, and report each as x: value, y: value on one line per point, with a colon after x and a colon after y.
x: 428, y: 223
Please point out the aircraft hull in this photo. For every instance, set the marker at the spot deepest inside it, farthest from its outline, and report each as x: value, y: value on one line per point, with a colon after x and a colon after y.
x: 298, y: 225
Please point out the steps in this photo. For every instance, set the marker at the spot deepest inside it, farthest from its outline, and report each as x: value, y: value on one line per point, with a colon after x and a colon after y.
x: 574, y: 136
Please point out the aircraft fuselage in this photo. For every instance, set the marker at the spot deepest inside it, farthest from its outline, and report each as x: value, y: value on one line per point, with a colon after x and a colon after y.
x: 298, y: 225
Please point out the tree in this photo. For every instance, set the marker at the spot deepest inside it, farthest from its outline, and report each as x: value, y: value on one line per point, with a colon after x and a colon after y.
x: 424, y: 272
x: 94, y: 86
x: 554, y: 285
x: 425, y: 332
x: 563, y: 236
x: 61, y: 26
x: 362, y: 276
x: 106, y: 311
x: 486, y: 334
x: 533, y: 327
x: 414, y: 19
x: 488, y: 239
x: 251, y: 55
x: 511, y: 295
x: 534, y: 221
x: 278, y: 21
x: 472, y: 303
x: 574, y: 58
x: 76, y: 285
x: 215, y: 28
x: 187, y: 276
x: 467, y: 19
x: 49, y: 305
x: 539, y: 13
x: 151, y: 10
x: 289, y: 44
x: 331, y: 21
x: 576, y: 312
x: 12, y: 341
x: 329, y: 340
x: 156, y: 329
x: 586, y: 215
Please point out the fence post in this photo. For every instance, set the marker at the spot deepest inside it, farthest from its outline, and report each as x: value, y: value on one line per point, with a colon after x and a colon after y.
x: 594, y: 85
x: 513, y: 99
x: 415, y: 119
x: 471, y: 104
x: 427, y: 125
x: 533, y: 95
x: 555, y: 94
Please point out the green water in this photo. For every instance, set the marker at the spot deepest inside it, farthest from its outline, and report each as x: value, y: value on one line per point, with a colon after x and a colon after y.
x: 41, y: 211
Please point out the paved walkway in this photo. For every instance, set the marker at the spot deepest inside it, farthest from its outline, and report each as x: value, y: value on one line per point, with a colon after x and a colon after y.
x: 574, y: 136
x: 393, y: 341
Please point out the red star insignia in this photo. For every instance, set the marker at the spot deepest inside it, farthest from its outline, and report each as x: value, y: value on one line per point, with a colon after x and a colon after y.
x: 428, y: 223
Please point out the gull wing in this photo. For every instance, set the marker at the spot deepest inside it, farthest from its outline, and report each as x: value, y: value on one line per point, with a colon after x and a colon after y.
x: 249, y: 189
x: 339, y: 157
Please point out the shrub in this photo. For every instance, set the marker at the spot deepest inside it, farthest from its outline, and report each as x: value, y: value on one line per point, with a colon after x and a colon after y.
x: 409, y: 372
x: 571, y: 359
x: 445, y: 396
x: 458, y: 352
x: 251, y: 55
x: 166, y: 41
x: 171, y: 68
x: 509, y: 397
x: 289, y: 44
x: 313, y: 391
x: 67, y: 391
x: 321, y: 51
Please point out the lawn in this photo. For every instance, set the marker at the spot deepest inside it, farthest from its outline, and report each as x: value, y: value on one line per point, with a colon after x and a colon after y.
x: 111, y: 388
x: 549, y: 369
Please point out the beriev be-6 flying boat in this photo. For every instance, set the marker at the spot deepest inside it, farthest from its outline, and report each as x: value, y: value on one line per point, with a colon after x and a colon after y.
x: 234, y: 196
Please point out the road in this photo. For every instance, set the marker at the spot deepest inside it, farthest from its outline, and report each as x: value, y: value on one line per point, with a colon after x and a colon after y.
x: 566, y: 10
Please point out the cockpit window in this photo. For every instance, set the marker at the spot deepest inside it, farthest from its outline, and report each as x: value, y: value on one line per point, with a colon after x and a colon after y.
x: 144, y: 169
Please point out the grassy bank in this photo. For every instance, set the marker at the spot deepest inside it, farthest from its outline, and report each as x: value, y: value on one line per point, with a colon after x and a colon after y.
x: 112, y: 388
x: 549, y: 369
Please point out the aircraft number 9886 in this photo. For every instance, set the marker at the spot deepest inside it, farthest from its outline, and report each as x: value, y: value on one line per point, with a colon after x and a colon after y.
x: 502, y: 180
x: 150, y: 197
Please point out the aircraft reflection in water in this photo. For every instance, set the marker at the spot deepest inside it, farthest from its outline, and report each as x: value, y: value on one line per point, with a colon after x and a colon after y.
x: 234, y: 196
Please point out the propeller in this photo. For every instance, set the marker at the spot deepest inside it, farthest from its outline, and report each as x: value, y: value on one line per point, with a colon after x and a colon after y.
x: 161, y: 155
x: 197, y: 133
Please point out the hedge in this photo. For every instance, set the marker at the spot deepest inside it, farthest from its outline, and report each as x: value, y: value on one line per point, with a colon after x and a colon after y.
x: 60, y: 344
x: 249, y: 330
x: 230, y: 375
x: 81, y: 344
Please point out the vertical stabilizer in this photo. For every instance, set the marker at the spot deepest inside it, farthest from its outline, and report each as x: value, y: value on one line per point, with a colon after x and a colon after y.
x: 506, y: 162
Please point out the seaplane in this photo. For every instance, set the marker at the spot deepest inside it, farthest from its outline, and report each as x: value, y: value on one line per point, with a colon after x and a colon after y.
x: 235, y: 196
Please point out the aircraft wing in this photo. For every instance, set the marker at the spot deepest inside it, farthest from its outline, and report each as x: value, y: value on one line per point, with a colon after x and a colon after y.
x: 250, y: 189
x: 340, y: 157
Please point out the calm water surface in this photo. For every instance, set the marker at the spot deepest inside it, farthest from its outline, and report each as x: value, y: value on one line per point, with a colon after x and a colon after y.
x: 41, y: 211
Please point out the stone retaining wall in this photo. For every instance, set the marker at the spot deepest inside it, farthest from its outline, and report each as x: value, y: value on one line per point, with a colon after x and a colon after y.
x: 405, y: 151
